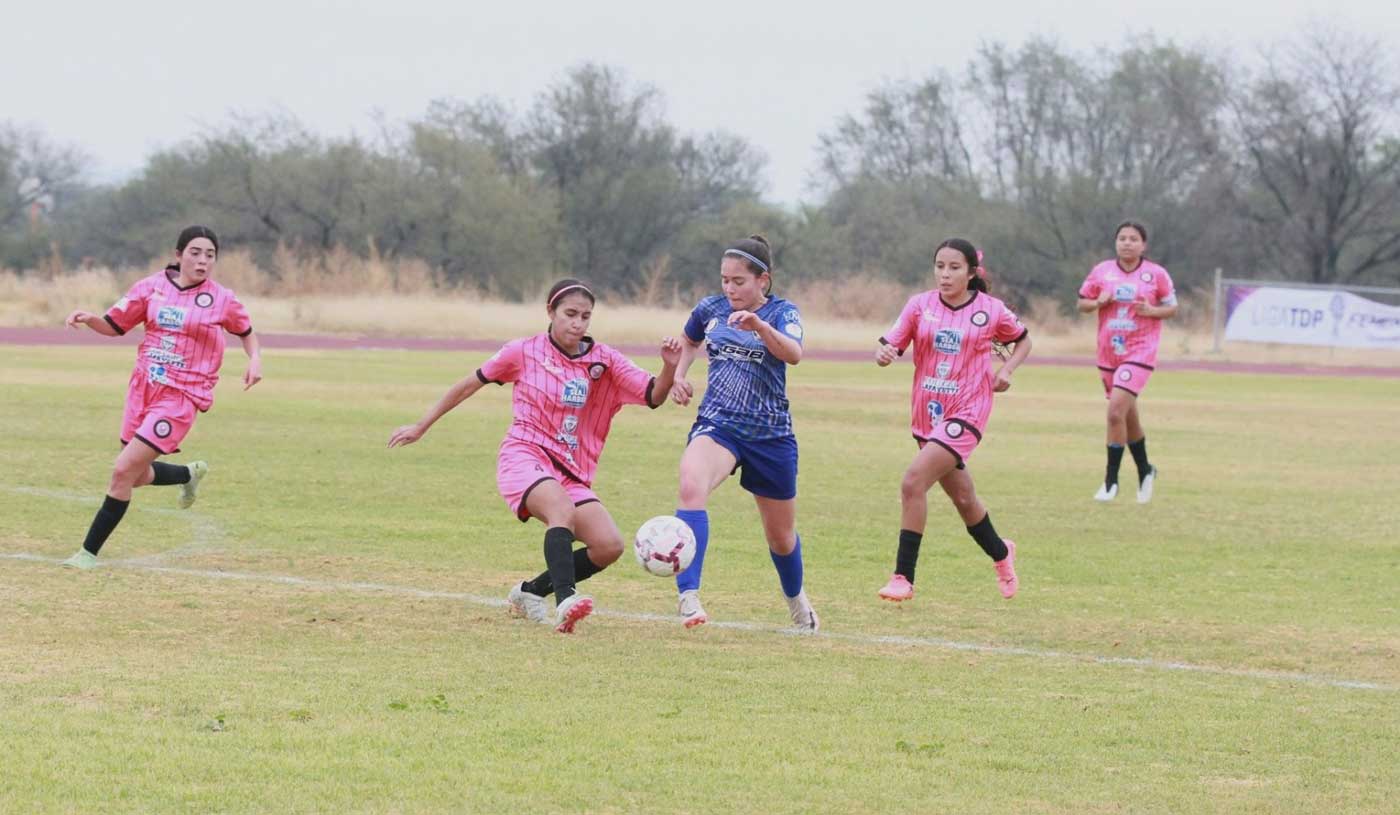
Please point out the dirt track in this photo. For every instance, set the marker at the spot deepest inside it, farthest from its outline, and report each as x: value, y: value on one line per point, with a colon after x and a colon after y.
x: 61, y: 336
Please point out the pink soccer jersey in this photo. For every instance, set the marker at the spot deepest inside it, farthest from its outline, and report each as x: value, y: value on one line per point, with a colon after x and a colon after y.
x: 952, y: 357
x: 1124, y: 335
x: 565, y: 404
x: 184, y: 343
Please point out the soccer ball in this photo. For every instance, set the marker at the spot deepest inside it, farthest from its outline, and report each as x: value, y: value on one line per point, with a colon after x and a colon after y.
x: 664, y: 546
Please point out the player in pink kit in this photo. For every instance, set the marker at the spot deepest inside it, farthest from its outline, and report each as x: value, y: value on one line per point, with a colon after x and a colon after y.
x: 953, y: 330
x: 1133, y: 296
x: 567, y: 389
x: 185, y: 314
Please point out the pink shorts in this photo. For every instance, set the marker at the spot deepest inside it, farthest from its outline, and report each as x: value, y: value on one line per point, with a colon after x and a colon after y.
x: 520, y: 467
x: 1130, y: 376
x: 158, y: 415
x: 957, y: 437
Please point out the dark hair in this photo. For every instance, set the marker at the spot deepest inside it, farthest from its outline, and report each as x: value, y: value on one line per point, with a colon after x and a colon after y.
x: 1141, y: 230
x: 756, y: 254
x: 188, y: 234
x: 568, y: 286
x: 975, y: 281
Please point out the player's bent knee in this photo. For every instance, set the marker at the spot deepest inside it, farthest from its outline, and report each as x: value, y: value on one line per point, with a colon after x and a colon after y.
x: 912, y: 486
x: 605, y: 552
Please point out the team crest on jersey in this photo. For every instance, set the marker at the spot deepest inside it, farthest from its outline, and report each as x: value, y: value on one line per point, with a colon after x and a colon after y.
x: 575, y: 392
x: 1124, y: 292
x: 204, y: 299
x: 570, y: 423
x: 710, y: 326
x: 953, y: 429
x: 944, y: 368
x: 596, y: 370
x: 979, y: 319
x: 1146, y: 277
x: 948, y: 340
x: 935, y: 412
x: 171, y: 318
x: 162, y: 429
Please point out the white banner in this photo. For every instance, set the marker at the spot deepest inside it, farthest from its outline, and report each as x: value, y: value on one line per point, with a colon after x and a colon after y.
x: 1309, y: 317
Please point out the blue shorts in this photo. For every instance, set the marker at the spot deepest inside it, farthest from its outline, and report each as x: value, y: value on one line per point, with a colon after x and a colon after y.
x: 769, y: 465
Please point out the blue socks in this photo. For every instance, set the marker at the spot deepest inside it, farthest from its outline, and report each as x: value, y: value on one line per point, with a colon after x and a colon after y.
x: 789, y: 568
x: 699, y: 522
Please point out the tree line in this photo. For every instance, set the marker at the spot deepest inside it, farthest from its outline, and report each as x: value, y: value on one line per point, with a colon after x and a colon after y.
x: 1287, y: 169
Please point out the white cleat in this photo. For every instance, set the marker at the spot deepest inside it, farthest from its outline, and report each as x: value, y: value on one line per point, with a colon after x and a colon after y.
x: 692, y: 613
x: 1106, y: 493
x: 574, y: 608
x: 530, y: 606
x: 82, y: 560
x: 1145, y: 486
x: 198, y: 469
x: 804, y: 617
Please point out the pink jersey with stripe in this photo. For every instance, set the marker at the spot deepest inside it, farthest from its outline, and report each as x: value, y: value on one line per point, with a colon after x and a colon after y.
x: 565, y: 404
x: 952, y: 356
x: 1124, y: 335
x: 184, y: 343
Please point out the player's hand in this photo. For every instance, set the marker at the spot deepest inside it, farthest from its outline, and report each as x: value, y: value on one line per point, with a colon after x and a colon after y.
x: 253, y: 375
x: 1104, y: 297
x: 885, y: 354
x: 1142, y: 308
x: 78, y: 318
x: 671, y: 351
x: 681, y: 392
x: 1001, y: 381
x: 745, y: 321
x: 405, y: 435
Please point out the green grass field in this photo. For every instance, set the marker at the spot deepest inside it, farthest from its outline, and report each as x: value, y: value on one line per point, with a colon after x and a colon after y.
x: 1232, y: 647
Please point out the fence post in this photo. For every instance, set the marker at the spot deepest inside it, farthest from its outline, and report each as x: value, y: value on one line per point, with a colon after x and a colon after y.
x: 1219, y: 317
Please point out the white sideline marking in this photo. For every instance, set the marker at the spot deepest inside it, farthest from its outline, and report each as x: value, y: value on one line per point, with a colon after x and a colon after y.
x: 865, y: 639
x: 204, y: 531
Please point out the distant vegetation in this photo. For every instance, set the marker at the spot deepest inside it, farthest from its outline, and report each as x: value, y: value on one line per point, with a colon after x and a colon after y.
x: 1290, y: 168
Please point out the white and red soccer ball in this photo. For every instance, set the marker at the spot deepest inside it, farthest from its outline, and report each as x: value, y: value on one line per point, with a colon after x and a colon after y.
x: 664, y: 546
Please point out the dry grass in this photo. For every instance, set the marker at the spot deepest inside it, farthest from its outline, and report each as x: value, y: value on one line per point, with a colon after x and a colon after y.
x: 339, y: 292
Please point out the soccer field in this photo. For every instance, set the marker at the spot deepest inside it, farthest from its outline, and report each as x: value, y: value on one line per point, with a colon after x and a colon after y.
x: 325, y: 630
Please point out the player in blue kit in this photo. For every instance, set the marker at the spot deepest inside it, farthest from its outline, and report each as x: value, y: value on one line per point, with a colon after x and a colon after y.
x: 749, y: 337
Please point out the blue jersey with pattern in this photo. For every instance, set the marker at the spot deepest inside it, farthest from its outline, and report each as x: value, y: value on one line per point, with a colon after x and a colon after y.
x: 746, y: 392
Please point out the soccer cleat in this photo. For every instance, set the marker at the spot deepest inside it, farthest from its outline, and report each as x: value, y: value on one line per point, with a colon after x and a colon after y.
x: 198, y: 469
x: 1006, y: 572
x: 530, y: 606
x: 898, y: 589
x: 82, y: 560
x: 1145, y: 485
x: 1106, y: 493
x: 574, y: 608
x: 803, y: 615
x: 692, y: 613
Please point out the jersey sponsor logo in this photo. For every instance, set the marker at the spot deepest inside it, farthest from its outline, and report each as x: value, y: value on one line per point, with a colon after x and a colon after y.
x: 953, y: 428
x: 935, y: 413
x: 575, y: 392
x: 1119, y: 346
x: 596, y: 370
x: 738, y: 353
x: 171, y: 318
x: 1122, y: 322
x: 1125, y: 292
x: 162, y: 429
x: 156, y: 374
x: 948, y: 340
x: 793, y: 330
x: 939, y: 385
x: 164, y: 357
x: 204, y: 299
x: 980, y: 319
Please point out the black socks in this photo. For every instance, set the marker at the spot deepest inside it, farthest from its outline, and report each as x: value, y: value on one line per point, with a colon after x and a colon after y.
x: 1139, y: 451
x: 104, y: 522
x: 1115, y: 458
x: 987, y: 537
x: 559, y: 561
x: 167, y: 474
x: 908, y: 556
x: 584, y: 568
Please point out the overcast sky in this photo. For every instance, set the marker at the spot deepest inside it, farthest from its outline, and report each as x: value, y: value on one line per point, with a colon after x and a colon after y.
x: 122, y: 79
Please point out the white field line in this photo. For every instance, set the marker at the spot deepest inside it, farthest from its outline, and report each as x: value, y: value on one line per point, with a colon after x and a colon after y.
x: 862, y: 639
x: 205, y: 532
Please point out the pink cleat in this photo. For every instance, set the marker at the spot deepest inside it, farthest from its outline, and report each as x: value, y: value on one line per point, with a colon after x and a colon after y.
x: 898, y: 589
x: 1006, y: 572
x: 569, y: 612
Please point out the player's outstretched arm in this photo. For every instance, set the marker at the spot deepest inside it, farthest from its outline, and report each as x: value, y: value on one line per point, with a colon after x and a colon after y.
x: 456, y: 395
x: 253, y: 349
x: 93, y: 321
x: 1002, y: 381
x: 671, y: 354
